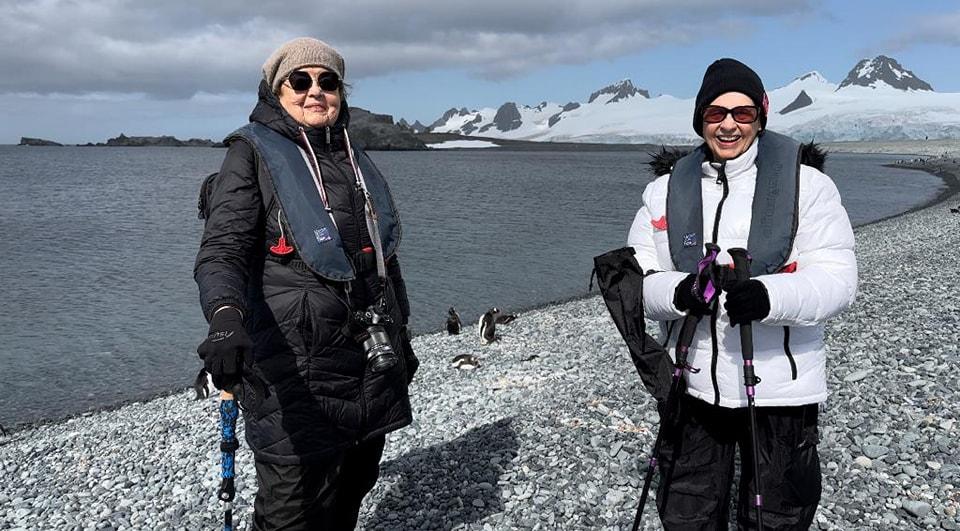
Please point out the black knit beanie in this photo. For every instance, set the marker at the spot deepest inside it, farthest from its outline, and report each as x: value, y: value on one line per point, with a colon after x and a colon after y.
x: 729, y: 75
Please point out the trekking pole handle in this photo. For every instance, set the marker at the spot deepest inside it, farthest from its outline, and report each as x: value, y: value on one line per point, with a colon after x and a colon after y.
x: 228, y: 445
x: 687, y: 331
x: 741, y: 264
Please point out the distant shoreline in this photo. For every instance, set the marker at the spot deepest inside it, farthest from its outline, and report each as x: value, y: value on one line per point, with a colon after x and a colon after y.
x: 126, y: 141
x: 948, y: 170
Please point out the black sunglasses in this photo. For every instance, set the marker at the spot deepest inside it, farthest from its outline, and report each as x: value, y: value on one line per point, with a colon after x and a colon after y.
x: 301, y: 81
x: 744, y: 114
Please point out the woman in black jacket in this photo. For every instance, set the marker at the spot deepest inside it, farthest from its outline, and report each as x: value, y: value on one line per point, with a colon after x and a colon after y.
x: 300, y: 282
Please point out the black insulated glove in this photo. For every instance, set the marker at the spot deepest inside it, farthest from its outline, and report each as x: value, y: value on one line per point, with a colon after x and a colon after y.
x: 688, y: 298
x: 225, y: 348
x: 747, y: 302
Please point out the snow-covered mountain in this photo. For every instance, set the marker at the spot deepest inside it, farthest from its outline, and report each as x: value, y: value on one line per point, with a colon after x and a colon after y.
x: 884, y: 70
x: 878, y: 100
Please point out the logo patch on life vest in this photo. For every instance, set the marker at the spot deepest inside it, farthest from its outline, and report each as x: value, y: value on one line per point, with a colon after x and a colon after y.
x: 322, y: 234
x: 690, y: 239
x: 659, y: 224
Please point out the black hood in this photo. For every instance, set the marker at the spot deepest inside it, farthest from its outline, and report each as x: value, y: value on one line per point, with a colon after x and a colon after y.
x: 270, y: 113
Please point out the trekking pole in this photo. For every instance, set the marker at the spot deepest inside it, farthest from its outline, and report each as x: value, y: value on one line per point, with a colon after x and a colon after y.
x: 687, y: 331
x: 684, y: 339
x: 741, y: 264
x: 228, y: 447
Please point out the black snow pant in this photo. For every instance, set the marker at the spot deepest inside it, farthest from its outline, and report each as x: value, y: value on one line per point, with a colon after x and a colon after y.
x: 318, y: 496
x: 697, y: 467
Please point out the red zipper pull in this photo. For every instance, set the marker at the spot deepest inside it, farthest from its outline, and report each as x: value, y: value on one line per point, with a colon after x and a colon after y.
x: 281, y: 248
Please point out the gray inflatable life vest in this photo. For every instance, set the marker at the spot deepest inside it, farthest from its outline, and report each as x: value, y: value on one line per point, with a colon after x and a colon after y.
x: 775, y: 211
x: 312, y: 229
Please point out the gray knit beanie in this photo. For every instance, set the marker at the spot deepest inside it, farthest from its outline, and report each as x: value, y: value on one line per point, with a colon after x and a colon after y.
x: 299, y: 53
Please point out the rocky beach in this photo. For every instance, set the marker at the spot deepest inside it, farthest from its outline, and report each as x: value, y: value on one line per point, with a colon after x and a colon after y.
x: 553, y: 429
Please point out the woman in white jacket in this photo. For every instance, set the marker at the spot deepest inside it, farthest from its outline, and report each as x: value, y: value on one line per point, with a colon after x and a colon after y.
x: 757, y: 192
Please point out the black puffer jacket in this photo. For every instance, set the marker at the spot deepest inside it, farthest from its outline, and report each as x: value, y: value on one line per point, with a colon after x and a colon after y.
x: 321, y: 396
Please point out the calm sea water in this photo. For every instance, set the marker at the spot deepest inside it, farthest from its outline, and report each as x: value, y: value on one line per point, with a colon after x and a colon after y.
x: 96, y: 281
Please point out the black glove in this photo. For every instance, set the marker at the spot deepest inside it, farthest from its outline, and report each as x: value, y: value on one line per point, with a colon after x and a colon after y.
x: 408, y: 355
x: 689, y: 297
x: 747, y: 301
x: 225, y: 348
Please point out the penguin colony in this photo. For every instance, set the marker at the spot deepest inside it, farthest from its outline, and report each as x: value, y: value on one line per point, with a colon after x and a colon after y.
x: 486, y: 328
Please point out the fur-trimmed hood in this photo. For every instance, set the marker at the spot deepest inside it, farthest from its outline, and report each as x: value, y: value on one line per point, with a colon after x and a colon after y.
x: 661, y: 162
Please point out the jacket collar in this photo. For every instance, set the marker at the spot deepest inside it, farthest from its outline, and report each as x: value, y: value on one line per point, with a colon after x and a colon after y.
x: 736, y: 166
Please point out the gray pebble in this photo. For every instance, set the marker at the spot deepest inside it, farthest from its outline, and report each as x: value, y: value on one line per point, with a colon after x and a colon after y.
x: 915, y: 508
x: 856, y: 376
x: 874, y: 451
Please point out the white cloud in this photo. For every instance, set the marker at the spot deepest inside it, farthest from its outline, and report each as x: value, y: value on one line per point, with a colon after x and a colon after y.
x: 177, y: 48
x: 942, y: 29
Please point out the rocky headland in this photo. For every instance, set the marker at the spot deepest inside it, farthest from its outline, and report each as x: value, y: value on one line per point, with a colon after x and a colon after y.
x: 27, y: 141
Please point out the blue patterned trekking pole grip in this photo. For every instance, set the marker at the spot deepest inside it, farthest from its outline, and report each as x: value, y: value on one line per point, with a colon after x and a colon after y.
x: 228, y: 447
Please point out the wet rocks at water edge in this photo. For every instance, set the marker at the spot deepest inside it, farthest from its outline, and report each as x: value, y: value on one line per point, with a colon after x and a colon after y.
x: 552, y: 430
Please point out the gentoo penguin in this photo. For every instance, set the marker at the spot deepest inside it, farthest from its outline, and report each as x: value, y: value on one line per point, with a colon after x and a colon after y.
x: 203, y: 385
x: 506, y: 318
x: 488, y: 326
x: 453, y: 322
x: 465, y: 362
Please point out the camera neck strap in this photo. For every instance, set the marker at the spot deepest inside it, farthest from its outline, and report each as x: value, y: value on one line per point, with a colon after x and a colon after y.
x: 369, y: 211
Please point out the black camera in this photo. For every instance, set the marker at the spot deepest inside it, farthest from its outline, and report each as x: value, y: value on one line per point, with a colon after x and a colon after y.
x: 375, y: 340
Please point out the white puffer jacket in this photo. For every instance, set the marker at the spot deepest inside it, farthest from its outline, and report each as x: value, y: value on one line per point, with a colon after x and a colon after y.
x: 823, y: 285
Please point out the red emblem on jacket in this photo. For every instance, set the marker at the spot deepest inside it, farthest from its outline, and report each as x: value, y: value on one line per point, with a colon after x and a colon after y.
x: 659, y: 224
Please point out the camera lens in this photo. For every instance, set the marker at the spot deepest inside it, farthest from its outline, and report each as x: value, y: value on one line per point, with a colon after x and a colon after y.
x: 381, y: 361
x: 380, y: 355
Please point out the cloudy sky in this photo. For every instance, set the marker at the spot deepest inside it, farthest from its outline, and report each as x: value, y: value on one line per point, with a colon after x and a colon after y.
x: 85, y: 70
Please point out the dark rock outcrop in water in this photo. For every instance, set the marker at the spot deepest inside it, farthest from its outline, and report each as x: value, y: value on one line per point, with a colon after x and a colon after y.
x: 27, y: 141
x: 802, y: 100
x: 377, y: 132
x: 155, y: 141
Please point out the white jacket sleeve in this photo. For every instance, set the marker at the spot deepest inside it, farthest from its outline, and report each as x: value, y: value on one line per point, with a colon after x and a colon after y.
x: 825, y: 281
x: 658, y: 288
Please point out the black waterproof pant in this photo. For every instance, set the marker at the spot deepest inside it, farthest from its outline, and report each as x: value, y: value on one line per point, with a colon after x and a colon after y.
x: 323, y: 496
x: 697, y: 467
